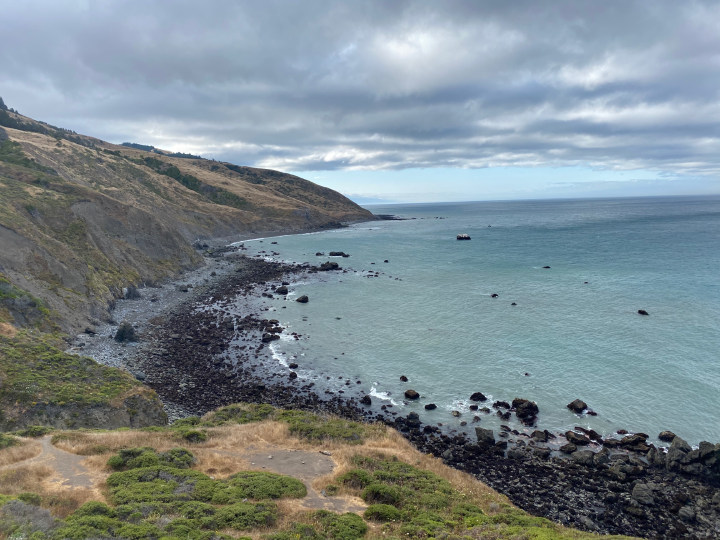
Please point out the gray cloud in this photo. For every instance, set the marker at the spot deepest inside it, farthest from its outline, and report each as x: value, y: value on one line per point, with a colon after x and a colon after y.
x: 317, y: 85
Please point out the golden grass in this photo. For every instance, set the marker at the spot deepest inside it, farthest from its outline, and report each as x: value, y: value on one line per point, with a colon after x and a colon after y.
x: 25, y: 478
x: 20, y: 452
x: 7, y: 330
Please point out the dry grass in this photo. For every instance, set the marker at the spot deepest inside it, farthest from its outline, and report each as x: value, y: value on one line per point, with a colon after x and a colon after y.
x: 64, y: 503
x: 23, y: 479
x: 19, y: 452
x: 7, y: 330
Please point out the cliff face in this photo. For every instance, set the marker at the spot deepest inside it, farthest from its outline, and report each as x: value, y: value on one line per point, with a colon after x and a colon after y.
x: 81, y: 218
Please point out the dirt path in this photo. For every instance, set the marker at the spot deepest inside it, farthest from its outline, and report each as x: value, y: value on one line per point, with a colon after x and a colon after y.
x: 70, y: 473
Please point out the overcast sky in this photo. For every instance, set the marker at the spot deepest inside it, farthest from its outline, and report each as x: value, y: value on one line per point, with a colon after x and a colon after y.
x: 390, y: 100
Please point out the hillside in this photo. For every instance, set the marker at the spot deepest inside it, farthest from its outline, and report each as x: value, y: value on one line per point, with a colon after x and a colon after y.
x: 82, y: 218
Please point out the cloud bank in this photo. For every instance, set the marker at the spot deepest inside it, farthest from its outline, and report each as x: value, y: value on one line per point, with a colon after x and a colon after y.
x: 376, y: 85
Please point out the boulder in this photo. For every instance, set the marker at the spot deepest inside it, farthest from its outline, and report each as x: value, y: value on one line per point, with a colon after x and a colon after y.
x: 677, y: 452
x: 366, y: 400
x: 643, y: 494
x: 666, y: 436
x: 139, y: 375
x: 411, y: 394
x: 478, y: 396
x: 403, y: 378
x: 656, y: 457
x: 318, y: 254
x: 525, y: 410
x: 430, y: 407
x: 455, y: 413
x: 125, y: 332
x: 539, y: 436
x: 568, y: 448
x: 293, y: 375
x: 303, y: 299
x: 602, y: 457
x: 330, y: 265
x: 577, y: 439
x: 485, y: 436
x: 642, y: 312
x: 577, y: 406
x: 493, y: 295
x: 293, y: 366
x: 268, y: 337
x: 501, y: 405
x: 281, y: 290
x: 583, y: 457
x: 542, y: 453
x: 338, y: 254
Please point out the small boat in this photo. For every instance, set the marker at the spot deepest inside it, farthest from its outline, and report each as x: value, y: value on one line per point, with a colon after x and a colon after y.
x: 463, y: 236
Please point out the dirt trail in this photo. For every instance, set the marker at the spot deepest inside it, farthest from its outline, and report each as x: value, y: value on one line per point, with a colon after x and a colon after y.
x: 70, y: 473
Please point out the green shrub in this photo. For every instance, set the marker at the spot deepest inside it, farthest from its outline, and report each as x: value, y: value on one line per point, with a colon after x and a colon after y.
x: 30, y: 498
x: 194, y: 436
x: 382, y: 512
x: 466, y: 509
x: 244, y: 516
x: 137, y: 458
x: 314, y: 427
x: 264, y: 485
x: 356, y: 478
x: 347, y: 526
x: 298, y: 531
x: 7, y: 441
x: 332, y: 489
x: 34, y: 431
x: 190, y: 421
x: 241, y: 413
x: 95, y: 508
x: 382, y: 494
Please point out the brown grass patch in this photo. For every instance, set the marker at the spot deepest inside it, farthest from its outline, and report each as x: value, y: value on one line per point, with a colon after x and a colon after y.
x: 19, y: 452
x: 64, y: 503
x: 26, y: 478
x: 7, y: 330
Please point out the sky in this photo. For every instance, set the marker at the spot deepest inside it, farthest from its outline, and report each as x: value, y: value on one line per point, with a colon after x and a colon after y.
x: 390, y: 101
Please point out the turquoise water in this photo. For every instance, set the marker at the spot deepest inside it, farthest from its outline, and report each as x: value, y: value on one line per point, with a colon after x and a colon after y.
x: 439, y: 326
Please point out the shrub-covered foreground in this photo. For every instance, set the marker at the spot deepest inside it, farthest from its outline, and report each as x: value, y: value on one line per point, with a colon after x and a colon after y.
x: 158, y: 496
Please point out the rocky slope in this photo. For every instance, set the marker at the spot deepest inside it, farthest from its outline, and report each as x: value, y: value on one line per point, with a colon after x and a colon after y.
x: 81, y: 219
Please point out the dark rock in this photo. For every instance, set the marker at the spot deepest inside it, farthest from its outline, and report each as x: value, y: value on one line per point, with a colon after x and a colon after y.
x: 125, y: 332
x: 281, y: 290
x: 293, y: 366
x: 643, y: 312
x: 430, y: 407
x: 131, y: 293
x: 493, y: 295
x: 139, y: 375
x: 583, y: 457
x: 478, y: 396
x: 546, y: 267
x: 577, y: 406
x: 411, y: 394
x: 501, y: 405
x: 267, y: 338
x: 643, y: 493
x: 303, y: 299
x: 485, y: 436
x: 455, y: 413
x: 293, y: 375
x: 366, y: 400
x: 338, y: 254
x: 330, y: 265
x: 574, y: 438
x: 568, y: 448
x: 318, y: 254
x: 666, y: 436
x: 539, y: 436
x: 90, y: 331
x: 525, y: 410
x: 403, y: 378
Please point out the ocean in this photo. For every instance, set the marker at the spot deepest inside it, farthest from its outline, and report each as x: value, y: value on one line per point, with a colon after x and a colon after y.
x: 574, y: 331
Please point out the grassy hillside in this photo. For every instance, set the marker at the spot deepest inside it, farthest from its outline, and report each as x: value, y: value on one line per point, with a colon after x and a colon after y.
x: 81, y: 218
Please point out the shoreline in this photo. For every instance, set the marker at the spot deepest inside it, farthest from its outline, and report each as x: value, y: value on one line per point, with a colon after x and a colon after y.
x: 601, y: 496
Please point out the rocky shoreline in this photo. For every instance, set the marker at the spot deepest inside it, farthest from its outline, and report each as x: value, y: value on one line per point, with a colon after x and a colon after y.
x: 201, y: 354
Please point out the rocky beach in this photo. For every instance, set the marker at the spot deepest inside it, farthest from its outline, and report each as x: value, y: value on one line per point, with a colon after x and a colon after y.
x: 204, y: 341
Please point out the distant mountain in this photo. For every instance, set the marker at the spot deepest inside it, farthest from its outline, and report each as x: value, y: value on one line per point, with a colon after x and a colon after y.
x: 81, y: 218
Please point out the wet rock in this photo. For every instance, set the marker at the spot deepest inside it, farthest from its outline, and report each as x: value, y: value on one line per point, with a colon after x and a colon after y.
x: 643, y: 312
x: 643, y: 494
x: 366, y: 400
x: 485, y: 436
x: 525, y: 410
x: 411, y: 394
x: 583, y: 457
x: 493, y: 295
x: 430, y: 407
x: 268, y: 337
x: 403, y: 378
x: 281, y: 290
x: 293, y: 365
x: 542, y: 453
x: 686, y: 513
x: 139, y: 375
x: 293, y: 375
x: 568, y: 448
x: 539, y: 436
x: 501, y: 405
x: 125, y: 332
x: 577, y: 439
x: 303, y: 299
x: 338, y: 254
x: 318, y: 254
x: 330, y: 265
x: 478, y: 396
x: 577, y: 406
x: 455, y: 413
x: 666, y: 436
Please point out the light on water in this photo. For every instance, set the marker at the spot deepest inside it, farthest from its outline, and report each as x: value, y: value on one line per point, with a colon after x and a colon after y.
x: 438, y: 324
